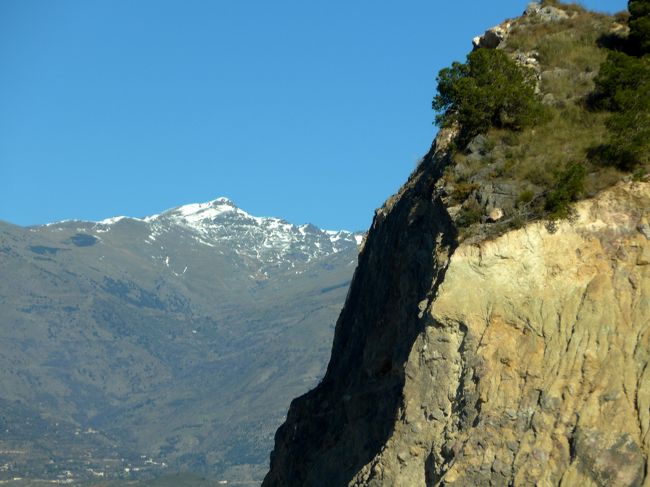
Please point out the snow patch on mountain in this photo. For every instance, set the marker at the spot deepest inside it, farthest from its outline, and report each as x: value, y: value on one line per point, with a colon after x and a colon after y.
x: 115, y: 219
x: 263, y: 242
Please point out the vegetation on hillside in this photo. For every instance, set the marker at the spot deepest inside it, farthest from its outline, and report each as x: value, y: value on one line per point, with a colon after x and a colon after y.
x: 489, y: 90
x: 541, y: 123
x: 639, y: 26
x: 623, y: 88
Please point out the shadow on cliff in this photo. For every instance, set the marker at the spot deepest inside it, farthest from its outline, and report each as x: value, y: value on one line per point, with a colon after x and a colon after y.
x: 337, y: 428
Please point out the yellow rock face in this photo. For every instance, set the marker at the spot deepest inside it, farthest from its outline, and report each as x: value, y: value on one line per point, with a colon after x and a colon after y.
x: 533, y: 365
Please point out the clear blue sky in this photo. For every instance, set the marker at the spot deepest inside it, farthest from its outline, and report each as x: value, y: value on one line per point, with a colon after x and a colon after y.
x: 309, y: 111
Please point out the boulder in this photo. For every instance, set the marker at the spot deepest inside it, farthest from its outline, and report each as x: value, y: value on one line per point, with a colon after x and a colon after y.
x: 491, y: 195
x: 549, y: 99
x: 532, y: 9
x: 495, y: 215
x: 528, y: 60
x: 546, y: 14
x: 552, y: 14
x: 477, y: 145
x: 492, y: 38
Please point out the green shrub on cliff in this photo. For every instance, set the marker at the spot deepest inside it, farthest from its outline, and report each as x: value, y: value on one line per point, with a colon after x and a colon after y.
x: 533, y: 162
x: 569, y: 185
x: 639, y: 26
x: 489, y: 90
x: 619, y: 77
x: 623, y: 87
x: 628, y: 144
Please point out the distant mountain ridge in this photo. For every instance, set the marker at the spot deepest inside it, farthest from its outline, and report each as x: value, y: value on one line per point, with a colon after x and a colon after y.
x: 180, y: 336
x: 269, y: 239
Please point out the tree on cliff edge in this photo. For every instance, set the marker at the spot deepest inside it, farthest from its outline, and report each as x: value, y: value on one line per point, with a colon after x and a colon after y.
x: 639, y: 26
x: 489, y: 90
x: 623, y: 87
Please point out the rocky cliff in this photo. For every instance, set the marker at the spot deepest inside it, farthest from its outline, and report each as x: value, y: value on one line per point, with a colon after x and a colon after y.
x: 336, y: 429
x: 511, y: 351
x: 516, y: 361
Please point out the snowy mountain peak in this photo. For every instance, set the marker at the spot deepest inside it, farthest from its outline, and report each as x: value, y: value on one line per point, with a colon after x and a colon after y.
x: 200, y: 212
x: 271, y: 243
x: 266, y: 244
x: 223, y: 200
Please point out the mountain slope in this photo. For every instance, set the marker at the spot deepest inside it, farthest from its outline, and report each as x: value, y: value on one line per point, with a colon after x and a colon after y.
x: 180, y: 336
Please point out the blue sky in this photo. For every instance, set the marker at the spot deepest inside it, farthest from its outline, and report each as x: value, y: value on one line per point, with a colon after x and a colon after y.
x: 310, y: 111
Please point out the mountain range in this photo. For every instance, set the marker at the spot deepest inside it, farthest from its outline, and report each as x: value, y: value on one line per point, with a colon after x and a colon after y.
x: 133, y: 347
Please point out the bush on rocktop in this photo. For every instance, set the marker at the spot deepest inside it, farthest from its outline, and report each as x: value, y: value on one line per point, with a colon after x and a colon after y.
x: 623, y: 88
x: 639, y: 26
x: 489, y: 90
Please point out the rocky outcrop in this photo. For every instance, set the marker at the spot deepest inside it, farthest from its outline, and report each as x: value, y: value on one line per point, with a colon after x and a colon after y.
x: 532, y: 367
x: 517, y: 361
x: 546, y: 13
x: 511, y: 358
x: 494, y: 37
x: 337, y: 428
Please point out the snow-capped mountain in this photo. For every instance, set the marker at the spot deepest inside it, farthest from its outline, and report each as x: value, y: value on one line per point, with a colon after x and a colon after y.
x: 140, y: 329
x: 264, y: 243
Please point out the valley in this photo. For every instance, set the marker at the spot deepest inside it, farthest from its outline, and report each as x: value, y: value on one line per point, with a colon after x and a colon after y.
x: 135, y: 347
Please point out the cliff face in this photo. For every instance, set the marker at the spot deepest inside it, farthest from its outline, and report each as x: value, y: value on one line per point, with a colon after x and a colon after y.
x: 532, y: 367
x: 337, y: 428
x: 497, y: 356
x: 517, y: 361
